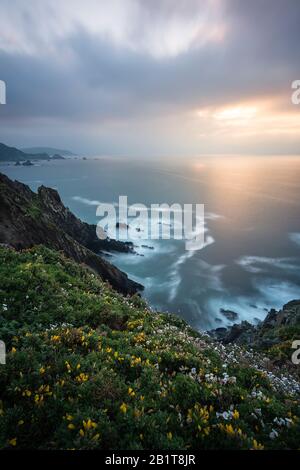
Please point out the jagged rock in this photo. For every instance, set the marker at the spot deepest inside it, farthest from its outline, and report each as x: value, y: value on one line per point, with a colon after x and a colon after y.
x: 28, y: 219
x: 241, y: 333
x: 266, y: 333
x: 229, y: 314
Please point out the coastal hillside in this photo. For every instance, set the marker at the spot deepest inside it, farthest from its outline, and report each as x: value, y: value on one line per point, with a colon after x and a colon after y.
x: 274, y: 335
x: 12, y: 154
x: 49, y: 150
x: 87, y: 368
x: 28, y: 219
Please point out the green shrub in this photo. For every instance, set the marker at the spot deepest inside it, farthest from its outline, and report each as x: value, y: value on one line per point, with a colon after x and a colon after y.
x: 87, y: 368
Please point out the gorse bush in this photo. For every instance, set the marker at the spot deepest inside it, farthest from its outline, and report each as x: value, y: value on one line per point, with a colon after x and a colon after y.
x: 87, y: 368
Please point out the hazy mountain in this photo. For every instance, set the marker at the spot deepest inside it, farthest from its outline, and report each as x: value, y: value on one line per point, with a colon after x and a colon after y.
x: 12, y: 154
x: 49, y: 150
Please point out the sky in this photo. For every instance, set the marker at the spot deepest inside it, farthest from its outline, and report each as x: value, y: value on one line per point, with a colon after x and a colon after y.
x: 151, y: 78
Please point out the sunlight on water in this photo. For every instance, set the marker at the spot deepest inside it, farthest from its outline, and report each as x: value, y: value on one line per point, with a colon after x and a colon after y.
x: 251, y: 259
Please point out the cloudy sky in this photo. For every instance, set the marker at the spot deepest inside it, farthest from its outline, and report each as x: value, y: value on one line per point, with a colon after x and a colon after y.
x: 151, y: 77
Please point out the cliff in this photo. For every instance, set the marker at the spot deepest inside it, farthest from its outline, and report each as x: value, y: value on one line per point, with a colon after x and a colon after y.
x: 28, y: 219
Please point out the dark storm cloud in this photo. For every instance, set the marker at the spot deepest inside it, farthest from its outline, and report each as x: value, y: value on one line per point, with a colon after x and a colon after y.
x: 87, y: 76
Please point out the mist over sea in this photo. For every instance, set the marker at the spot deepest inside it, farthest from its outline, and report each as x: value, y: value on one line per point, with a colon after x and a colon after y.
x: 251, y: 258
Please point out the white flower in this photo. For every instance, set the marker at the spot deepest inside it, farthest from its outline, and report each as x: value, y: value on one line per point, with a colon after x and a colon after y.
x: 273, y: 434
x: 288, y: 422
x: 225, y: 415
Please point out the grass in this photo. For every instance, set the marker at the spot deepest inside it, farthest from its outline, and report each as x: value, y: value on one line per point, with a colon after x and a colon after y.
x: 34, y: 211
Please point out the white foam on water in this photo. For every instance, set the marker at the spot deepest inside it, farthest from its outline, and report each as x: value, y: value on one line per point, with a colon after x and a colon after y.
x: 270, y: 293
x: 277, y: 292
x: 91, y: 202
x: 247, y: 308
x: 295, y: 238
x: 260, y: 264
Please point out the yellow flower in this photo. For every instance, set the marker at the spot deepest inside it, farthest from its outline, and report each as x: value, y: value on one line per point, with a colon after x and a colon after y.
x: 135, y: 361
x: 235, y: 414
x: 229, y: 429
x: 257, y: 445
x: 71, y: 426
x: 13, y: 350
x: 140, y: 337
x: 55, y: 338
x: 169, y: 436
x: 96, y: 437
x: 20, y: 422
x: 131, y: 392
x: 13, y: 441
x: 42, y: 370
x: 123, y: 408
x: 69, y: 417
x: 81, y: 432
x: 89, y: 424
x: 82, y: 377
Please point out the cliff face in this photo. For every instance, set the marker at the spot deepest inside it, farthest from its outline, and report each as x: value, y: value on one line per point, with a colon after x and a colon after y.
x: 28, y: 219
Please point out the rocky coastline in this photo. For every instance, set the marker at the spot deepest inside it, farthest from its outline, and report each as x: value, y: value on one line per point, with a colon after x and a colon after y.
x: 28, y: 219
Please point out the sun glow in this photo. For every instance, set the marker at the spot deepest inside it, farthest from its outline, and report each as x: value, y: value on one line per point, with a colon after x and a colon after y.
x: 238, y: 112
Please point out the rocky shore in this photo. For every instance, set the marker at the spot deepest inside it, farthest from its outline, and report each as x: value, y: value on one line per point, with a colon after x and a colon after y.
x: 28, y: 219
x: 273, y: 336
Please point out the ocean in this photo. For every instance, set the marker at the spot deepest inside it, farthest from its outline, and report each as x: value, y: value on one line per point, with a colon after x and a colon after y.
x: 250, y: 261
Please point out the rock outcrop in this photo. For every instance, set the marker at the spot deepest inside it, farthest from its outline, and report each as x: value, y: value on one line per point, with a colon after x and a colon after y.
x: 28, y: 219
x: 268, y: 333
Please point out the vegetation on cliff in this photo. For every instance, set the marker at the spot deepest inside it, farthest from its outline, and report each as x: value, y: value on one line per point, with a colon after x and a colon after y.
x: 88, y: 368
